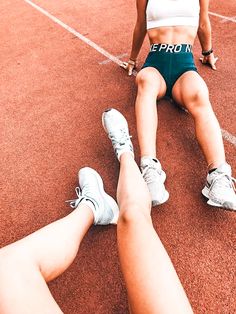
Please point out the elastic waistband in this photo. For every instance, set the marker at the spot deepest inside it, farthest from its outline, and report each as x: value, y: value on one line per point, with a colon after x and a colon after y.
x: 171, y: 48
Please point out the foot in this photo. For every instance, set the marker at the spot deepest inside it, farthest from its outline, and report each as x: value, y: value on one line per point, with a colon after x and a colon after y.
x: 155, y: 177
x: 116, y: 126
x: 219, y: 188
x: 91, y: 193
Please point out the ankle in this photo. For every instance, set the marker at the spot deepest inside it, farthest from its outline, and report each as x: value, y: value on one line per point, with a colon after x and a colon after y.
x: 148, y: 156
x: 88, y: 206
x: 85, y: 211
x: 214, y: 165
x: 148, y: 161
x: 126, y: 155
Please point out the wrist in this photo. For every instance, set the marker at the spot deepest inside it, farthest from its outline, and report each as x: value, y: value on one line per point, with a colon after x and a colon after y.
x: 132, y: 61
x: 206, y: 53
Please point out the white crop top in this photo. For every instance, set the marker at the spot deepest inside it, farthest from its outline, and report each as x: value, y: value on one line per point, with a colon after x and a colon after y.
x: 172, y: 13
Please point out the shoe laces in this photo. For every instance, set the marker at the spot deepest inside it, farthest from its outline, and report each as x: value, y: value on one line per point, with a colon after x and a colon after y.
x: 223, y: 180
x: 81, y: 195
x: 75, y: 202
x: 119, y: 137
x: 151, y: 173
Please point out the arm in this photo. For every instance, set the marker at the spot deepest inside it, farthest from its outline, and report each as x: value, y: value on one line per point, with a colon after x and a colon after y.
x: 204, y: 34
x: 138, y: 35
x: 204, y: 29
x: 139, y: 29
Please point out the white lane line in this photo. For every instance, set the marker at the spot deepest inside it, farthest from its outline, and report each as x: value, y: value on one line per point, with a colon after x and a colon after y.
x: 229, y: 137
x: 226, y: 18
x: 74, y: 32
x: 118, y: 57
x: 226, y: 135
x: 225, y: 21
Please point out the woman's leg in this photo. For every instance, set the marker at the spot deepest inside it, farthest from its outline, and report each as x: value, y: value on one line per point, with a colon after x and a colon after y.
x: 151, y: 86
x: 152, y: 283
x: 191, y: 91
x: 26, y: 265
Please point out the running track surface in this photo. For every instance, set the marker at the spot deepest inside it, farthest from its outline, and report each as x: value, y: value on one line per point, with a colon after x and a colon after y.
x: 53, y: 92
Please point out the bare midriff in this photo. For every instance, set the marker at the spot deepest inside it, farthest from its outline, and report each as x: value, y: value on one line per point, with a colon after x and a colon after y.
x: 172, y: 35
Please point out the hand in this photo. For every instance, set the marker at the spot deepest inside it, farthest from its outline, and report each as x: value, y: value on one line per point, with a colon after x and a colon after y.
x: 129, y: 66
x: 209, y: 60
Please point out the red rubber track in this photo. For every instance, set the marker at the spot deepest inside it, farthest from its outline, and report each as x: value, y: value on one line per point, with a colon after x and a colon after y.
x: 53, y: 91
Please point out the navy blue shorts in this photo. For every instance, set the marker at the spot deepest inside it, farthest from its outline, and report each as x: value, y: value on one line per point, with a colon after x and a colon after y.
x: 171, y: 61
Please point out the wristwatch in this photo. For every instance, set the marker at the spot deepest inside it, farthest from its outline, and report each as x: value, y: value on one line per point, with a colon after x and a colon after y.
x: 207, y: 52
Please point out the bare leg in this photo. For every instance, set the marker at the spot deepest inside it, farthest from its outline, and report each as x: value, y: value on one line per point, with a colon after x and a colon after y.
x: 151, y: 86
x: 191, y: 91
x: 152, y: 283
x: 26, y: 265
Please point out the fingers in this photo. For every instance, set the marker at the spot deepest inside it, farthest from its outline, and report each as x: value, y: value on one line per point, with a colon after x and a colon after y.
x: 213, y: 66
x: 124, y: 65
x: 211, y: 61
x: 128, y: 67
x: 203, y: 61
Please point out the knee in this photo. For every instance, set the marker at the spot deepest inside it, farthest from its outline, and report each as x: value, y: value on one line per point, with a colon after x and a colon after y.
x: 199, y: 102
x: 134, y: 215
x: 8, y: 257
x: 13, y: 259
x: 8, y: 262
x: 146, y: 79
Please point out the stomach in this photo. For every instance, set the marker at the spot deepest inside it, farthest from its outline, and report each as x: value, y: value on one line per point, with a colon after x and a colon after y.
x: 172, y: 35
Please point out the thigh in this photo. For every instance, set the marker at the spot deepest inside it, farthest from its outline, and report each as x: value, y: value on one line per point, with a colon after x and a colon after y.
x: 22, y: 287
x: 190, y: 89
x: 149, y: 80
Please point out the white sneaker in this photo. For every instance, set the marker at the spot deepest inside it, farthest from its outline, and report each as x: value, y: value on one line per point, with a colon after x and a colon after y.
x: 155, y: 177
x: 116, y: 126
x: 91, y: 193
x: 220, y: 189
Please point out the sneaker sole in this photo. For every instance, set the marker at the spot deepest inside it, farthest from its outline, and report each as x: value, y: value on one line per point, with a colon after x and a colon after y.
x: 205, y: 192
x: 106, y: 197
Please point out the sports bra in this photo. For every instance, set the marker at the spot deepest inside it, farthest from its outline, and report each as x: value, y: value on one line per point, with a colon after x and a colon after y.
x: 172, y: 13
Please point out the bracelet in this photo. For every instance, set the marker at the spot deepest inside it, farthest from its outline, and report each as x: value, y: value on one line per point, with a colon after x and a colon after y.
x: 207, y: 52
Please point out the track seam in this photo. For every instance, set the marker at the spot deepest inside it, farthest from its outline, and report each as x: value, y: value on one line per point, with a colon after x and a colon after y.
x: 226, y: 135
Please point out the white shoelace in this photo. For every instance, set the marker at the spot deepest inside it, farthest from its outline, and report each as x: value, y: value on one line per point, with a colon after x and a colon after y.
x: 151, y: 175
x: 75, y: 202
x: 119, y: 137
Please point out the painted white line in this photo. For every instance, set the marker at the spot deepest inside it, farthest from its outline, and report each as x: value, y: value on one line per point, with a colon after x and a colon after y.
x: 226, y: 21
x: 77, y: 34
x: 229, y: 137
x: 226, y: 135
x: 231, y: 19
x: 118, y: 57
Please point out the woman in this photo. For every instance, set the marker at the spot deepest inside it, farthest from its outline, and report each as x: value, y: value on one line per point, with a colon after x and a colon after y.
x: 152, y: 283
x: 169, y: 70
